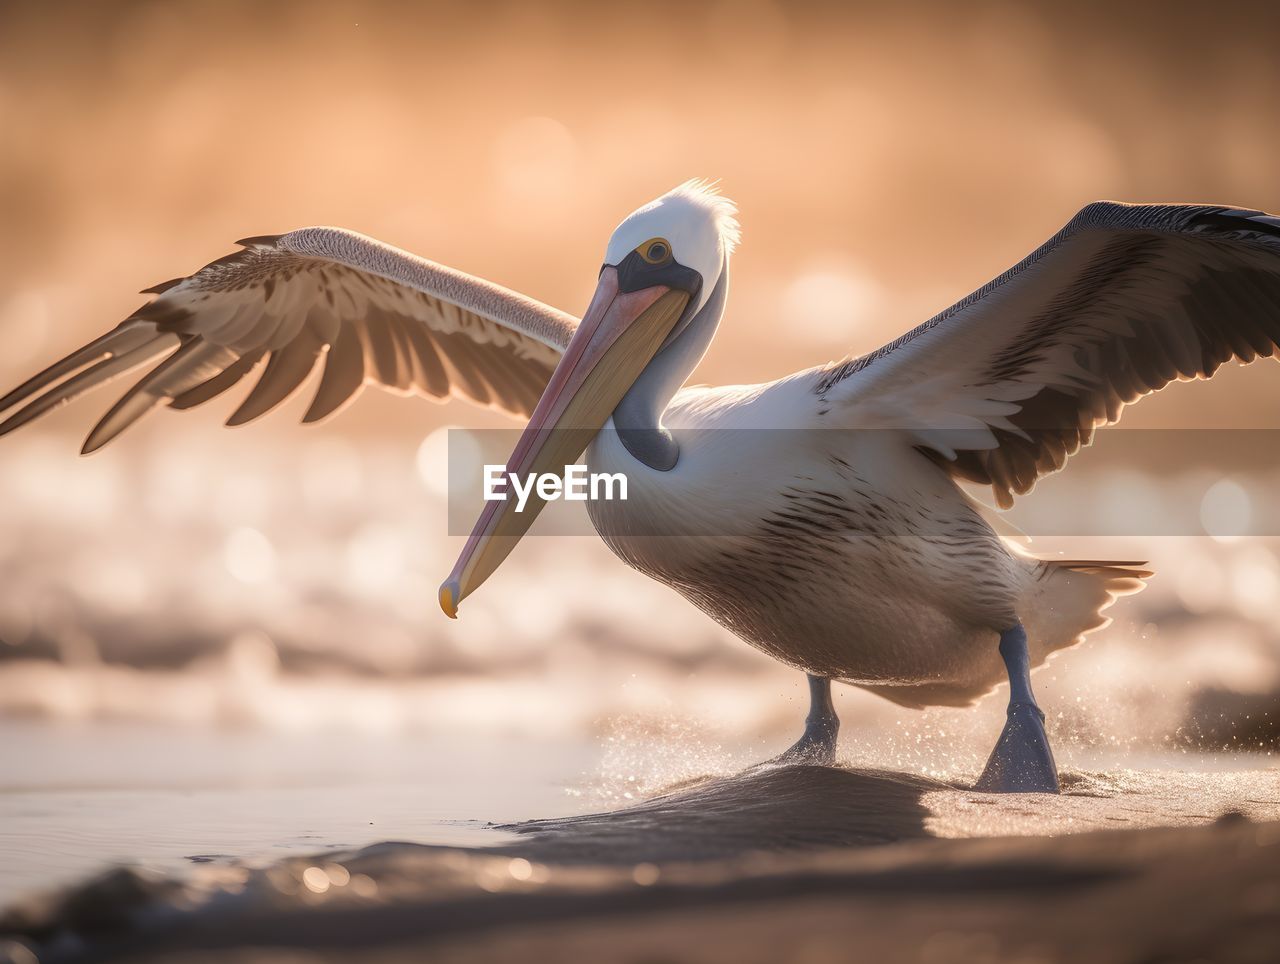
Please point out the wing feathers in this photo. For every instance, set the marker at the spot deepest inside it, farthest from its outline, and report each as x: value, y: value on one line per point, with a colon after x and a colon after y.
x: 374, y: 313
x: 460, y: 354
x: 343, y: 377
x: 286, y: 370
x: 162, y: 287
x: 89, y: 379
x: 428, y: 371
x: 194, y: 362
x: 1121, y: 302
x: 126, y: 337
x: 219, y: 383
x: 382, y: 358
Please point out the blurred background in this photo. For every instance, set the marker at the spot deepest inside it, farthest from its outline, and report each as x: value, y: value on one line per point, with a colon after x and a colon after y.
x: 197, y: 607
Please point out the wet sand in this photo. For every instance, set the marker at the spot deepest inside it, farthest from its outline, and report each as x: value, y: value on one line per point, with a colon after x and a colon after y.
x: 802, y: 863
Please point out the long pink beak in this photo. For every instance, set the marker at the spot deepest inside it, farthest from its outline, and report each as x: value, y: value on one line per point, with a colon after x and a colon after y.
x: 618, y: 336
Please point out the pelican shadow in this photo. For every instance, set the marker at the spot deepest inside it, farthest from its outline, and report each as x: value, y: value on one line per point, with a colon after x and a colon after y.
x: 773, y: 808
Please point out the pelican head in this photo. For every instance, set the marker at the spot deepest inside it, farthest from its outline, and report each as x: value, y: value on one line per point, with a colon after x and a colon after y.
x: 661, y: 266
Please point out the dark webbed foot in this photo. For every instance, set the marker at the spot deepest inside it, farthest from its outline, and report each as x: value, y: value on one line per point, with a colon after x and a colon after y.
x: 817, y: 746
x: 1022, y: 761
x: 821, y: 727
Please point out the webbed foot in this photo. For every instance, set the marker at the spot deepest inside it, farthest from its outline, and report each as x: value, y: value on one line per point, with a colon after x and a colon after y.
x: 816, y: 747
x: 821, y: 727
x: 1022, y: 761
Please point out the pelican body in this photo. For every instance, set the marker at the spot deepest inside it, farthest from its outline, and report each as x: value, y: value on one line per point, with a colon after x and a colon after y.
x: 819, y: 517
x: 835, y: 573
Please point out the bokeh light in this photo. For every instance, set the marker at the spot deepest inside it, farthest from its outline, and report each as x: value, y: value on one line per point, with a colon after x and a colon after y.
x: 1226, y: 510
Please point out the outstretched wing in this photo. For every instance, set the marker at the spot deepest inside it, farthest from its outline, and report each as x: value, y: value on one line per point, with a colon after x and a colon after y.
x: 1008, y: 383
x: 363, y: 311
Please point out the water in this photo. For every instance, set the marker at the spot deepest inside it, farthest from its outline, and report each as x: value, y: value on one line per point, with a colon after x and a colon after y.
x: 75, y: 799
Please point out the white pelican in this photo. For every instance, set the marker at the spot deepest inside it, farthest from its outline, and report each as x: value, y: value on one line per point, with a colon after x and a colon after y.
x: 851, y: 555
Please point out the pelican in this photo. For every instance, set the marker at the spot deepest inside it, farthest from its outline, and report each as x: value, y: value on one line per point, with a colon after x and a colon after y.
x: 819, y: 517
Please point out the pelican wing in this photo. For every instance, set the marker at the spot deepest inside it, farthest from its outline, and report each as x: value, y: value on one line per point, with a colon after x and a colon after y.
x: 360, y: 310
x: 1005, y: 385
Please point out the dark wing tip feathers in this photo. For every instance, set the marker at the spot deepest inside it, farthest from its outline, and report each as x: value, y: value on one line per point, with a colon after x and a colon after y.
x: 261, y: 239
x: 1236, y: 221
x: 1178, y: 217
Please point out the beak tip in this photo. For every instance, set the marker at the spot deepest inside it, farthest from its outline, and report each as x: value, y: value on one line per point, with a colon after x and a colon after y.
x: 449, y: 599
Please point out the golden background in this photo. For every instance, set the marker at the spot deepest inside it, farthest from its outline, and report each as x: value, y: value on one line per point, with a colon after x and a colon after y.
x: 887, y: 159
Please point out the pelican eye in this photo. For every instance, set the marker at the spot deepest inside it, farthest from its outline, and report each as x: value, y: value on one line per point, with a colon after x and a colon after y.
x: 656, y: 251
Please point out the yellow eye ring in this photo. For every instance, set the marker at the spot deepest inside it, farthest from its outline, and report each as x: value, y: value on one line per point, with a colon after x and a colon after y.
x: 655, y: 250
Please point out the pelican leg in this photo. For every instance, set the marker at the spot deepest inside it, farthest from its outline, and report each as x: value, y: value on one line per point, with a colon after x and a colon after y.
x: 1021, y: 761
x: 818, y: 743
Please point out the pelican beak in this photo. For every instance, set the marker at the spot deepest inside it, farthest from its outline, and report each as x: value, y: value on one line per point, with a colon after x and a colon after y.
x: 619, y: 335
